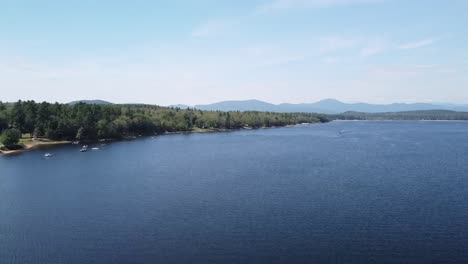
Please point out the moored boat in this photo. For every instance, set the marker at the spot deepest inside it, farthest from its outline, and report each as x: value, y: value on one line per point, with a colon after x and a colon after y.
x: 84, y: 148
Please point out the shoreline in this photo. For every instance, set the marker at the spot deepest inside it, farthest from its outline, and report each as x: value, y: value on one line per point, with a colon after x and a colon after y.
x: 46, y: 143
x: 50, y: 143
x: 35, y: 145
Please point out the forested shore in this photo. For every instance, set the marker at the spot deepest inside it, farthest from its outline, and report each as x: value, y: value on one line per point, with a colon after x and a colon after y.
x: 58, y: 122
x: 436, y: 115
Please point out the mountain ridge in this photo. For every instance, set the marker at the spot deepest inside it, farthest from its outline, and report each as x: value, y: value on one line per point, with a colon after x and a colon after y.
x: 326, y: 106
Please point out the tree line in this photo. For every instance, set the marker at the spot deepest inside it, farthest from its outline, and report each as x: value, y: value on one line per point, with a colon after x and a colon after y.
x: 407, y: 115
x: 91, y: 121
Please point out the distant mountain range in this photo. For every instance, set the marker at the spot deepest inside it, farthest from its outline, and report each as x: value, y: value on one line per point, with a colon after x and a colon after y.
x: 98, y: 102
x: 327, y: 106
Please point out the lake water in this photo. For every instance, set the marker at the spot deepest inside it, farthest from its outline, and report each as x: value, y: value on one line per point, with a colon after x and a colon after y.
x: 342, y: 192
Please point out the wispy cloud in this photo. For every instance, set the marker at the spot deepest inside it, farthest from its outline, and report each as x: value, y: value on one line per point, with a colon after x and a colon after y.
x: 417, y: 44
x: 287, y: 4
x: 386, y: 72
x: 335, y: 43
x: 331, y: 60
x: 278, y: 61
x: 261, y: 56
x: 363, y: 46
x: 214, y: 27
x: 374, y: 47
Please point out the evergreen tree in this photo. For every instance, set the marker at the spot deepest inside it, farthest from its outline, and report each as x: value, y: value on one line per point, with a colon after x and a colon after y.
x: 10, y: 137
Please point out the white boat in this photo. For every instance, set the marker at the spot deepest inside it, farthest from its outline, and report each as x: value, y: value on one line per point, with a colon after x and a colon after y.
x: 95, y: 149
x: 48, y: 155
x: 84, y: 148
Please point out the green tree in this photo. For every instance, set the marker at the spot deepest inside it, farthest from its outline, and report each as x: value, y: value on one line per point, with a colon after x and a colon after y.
x: 3, y: 122
x: 228, y: 122
x: 17, y: 115
x: 10, y: 137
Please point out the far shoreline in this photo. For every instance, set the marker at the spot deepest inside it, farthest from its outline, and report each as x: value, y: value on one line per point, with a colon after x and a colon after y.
x: 399, y: 120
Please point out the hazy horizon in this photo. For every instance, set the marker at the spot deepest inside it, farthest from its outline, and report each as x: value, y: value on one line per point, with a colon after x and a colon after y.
x: 202, y: 52
x: 246, y: 100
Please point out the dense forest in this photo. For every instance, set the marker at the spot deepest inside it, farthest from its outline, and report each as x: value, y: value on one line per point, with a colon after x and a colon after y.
x: 91, y: 121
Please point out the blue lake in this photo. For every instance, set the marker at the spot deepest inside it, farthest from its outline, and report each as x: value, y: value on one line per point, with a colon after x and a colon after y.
x: 342, y: 192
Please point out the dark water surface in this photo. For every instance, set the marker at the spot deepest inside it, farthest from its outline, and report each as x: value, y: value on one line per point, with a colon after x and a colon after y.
x: 379, y: 192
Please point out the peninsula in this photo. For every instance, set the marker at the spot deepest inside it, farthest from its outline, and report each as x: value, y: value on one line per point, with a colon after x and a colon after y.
x: 27, y: 124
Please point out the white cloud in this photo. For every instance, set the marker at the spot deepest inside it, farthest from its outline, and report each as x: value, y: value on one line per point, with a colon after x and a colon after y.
x: 417, y: 44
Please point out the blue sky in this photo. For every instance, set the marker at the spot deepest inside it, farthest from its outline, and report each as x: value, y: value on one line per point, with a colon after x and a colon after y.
x: 194, y: 52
